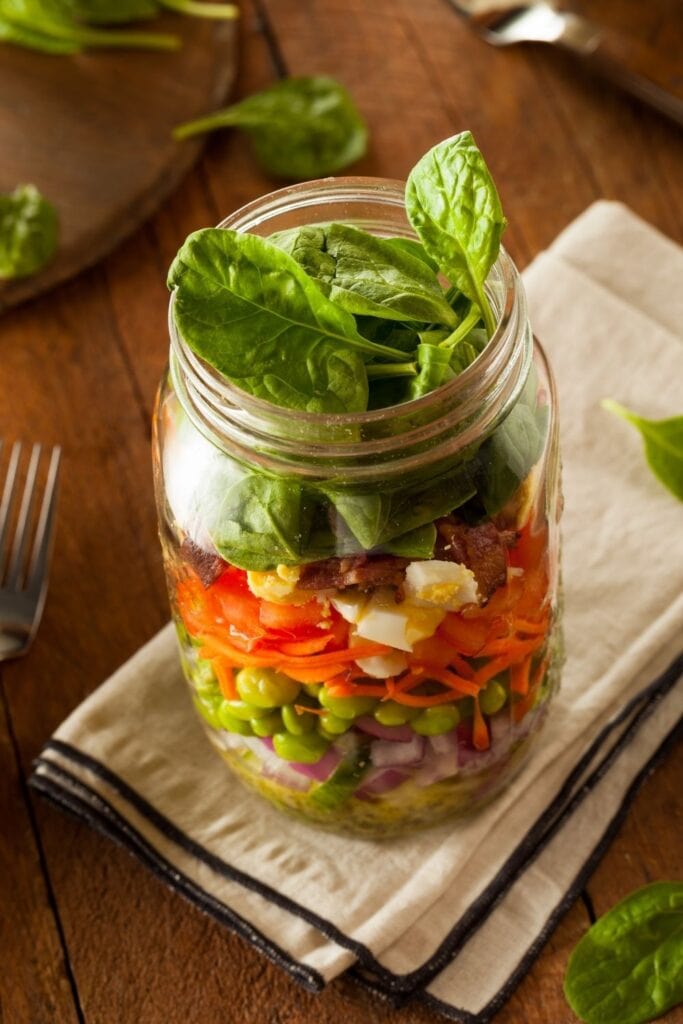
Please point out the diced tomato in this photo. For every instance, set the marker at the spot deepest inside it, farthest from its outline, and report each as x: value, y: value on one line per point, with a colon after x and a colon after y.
x: 468, y: 636
x: 236, y: 604
x: 290, y: 618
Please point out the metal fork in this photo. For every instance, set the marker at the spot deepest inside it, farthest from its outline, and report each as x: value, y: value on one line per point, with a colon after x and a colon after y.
x: 649, y: 74
x: 24, y: 562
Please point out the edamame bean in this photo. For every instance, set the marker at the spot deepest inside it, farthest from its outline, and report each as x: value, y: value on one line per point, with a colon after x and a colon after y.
x: 493, y: 698
x: 434, y: 721
x: 266, y: 688
x: 347, y: 707
x: 209, y: 711
x: 203, y: 676
x: 388, y: 712
x: 333, y: 724
x: 239, y: 709
x: 268, y: 725
x: 305, y: 749
x: 312, y: 689
x: 297, y: 724
x: 232, y: 724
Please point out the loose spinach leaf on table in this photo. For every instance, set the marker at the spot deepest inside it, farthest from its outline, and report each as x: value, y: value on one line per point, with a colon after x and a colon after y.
x: 628, y: 968
x: 249, y: 309
x: 366, y: 275
x: 663, y: 440
x: 28, y: 232
x: 301, y: 127
x: 49, y: 26
x: 454, y: 207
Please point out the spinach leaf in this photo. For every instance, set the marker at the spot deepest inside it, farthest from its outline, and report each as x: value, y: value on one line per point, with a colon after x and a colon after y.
x: 366, y: 275
x: 628, y: 968
x: 454, y: 207
x: 403, y: 337
x: 249, y: 309
x: 663, y: 440
x: 417, y: 543
x: 300, y: 127
x: 434, y: 369
x: 263, y: 522
x: 376, y: 518
x: 28, y: 232
x: 47, y: 25
x: 413, y: 248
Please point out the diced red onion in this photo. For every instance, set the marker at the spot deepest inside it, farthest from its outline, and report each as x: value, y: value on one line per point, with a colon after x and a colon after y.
x: 437, y: 767
x: 393, y: 733
x: 267, y: 741
x: 322, y: 769
x: 381, y: 780
x: 387, y: 754
x: 273, y: 767
x: 446, y: 743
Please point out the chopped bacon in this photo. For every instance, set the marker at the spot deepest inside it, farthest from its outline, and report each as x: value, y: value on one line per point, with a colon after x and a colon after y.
x: 481, y: 548
x: 208, y: 565
x: 362, y: 571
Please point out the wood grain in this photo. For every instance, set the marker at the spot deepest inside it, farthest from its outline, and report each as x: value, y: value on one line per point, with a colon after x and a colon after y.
x: 93, y: 133
x: 80, y: 366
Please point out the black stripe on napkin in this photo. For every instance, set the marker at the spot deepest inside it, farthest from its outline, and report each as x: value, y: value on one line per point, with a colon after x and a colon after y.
x: 103, y: 818
x: 534, y: 842
x: 504, y: 993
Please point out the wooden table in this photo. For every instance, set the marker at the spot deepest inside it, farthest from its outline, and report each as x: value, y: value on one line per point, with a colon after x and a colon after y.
x: 86, y: 933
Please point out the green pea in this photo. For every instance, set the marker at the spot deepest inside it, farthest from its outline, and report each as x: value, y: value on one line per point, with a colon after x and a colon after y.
x: 268, y: 725
x: 231, y: 723
x: 305, y: 749
x: 493, y: 698
x: 209, y: 711
x: 347, y: 707
x: 266, y: 688
x: 297, y: 724
x: 239, y: 709
x: 333, y: 725
x: 434, y: 721
x: 389, y: 712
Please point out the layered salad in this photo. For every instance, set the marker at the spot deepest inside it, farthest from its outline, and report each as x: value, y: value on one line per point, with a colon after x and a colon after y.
x: 371, y: 657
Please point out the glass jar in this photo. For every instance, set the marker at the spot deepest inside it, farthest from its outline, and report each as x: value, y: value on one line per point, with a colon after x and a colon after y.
x: 366, y: 603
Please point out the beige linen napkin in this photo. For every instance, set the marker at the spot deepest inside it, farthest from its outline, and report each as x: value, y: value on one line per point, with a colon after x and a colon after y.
x: 455, y: 914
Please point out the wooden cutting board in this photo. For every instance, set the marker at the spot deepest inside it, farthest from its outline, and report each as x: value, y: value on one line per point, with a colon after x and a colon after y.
x: 92, y: 132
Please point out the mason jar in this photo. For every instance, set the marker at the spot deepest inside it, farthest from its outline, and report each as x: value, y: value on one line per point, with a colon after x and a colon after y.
x: 366, y: 604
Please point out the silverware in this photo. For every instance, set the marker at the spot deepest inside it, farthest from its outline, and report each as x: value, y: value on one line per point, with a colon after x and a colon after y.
x: 636, y: 67
x: 24, y: 562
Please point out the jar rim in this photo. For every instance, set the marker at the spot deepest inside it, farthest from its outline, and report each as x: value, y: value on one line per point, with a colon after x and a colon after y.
x: 458, y: 400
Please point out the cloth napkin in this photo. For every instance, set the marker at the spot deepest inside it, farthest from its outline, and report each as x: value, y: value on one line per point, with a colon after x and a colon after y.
x: 452, y: 916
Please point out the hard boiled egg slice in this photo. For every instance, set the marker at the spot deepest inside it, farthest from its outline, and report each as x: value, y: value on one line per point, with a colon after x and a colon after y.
x: 446, y: 585
x: 396, y: 625
x: 350, y: 606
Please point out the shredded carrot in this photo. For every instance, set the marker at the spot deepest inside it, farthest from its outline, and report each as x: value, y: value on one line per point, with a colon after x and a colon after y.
x: 527, y: 626
x: 520, y: 709
x: 519, y: 676
x: 464, y: 686
x: 304, y: 647
x: 416, y: 700
x: 511, y: 648
x: 225, y: 676
x: 480, y: 732
x: 356, y: 690
x: 317, y: 674
x: 303, y: 709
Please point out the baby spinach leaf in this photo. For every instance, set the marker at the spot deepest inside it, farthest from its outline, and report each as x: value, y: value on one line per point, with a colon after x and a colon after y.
x: 300, y: 127
x: 366, y: 275
x: 417, y: 543
x: 454, y: 207
x: 413, y: 248
x: 49, y: 26
x: 263, y: 522
x: 28, y: 232
x: 249, y: 309
x: 403, y: 337
x: 663, y: 440
x: 628, y: 968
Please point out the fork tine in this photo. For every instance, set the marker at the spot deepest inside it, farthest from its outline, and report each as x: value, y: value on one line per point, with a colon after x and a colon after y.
x: 6, y: 503
x: 41, y: 546
x: 23, y: 527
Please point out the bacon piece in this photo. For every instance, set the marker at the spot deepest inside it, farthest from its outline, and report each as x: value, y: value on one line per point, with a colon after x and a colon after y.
x: 208, y: 565
x: 481, y: 548
x: 362, y: 571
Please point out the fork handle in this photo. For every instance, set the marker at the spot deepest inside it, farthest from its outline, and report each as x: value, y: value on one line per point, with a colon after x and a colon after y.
x: 636, y: 67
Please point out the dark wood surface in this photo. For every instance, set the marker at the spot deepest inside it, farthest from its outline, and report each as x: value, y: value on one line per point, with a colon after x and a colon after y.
x: 86, y: 933
x: 93, y: 133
